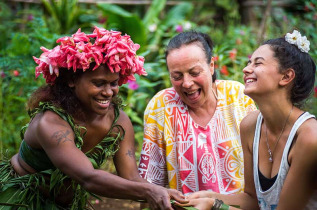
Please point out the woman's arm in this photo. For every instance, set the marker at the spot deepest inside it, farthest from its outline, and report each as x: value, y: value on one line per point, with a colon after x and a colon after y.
x: 301, y: 180
x: 57, y: 139
x: 124, y: 158
x: 247, y: 130
x: 126, y: 164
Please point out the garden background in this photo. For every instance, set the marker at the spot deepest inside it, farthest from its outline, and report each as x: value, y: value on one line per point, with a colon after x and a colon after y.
x: 236, y: 27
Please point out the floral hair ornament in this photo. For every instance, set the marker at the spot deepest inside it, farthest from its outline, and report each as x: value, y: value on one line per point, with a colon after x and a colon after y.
x: 117, y: 51
x: 297, y: 39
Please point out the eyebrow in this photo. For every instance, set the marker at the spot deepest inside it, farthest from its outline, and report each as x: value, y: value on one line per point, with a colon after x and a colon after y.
x: 104, y: 80
x: 256, y: 59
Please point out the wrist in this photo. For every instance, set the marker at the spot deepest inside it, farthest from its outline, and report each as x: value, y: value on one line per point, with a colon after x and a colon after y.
x: 219, y: 205
x: 211, y: 194
x: 142, y: 191
x: 145, y: 190
x: 148, y: 190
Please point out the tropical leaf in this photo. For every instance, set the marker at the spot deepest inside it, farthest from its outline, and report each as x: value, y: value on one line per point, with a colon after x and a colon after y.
x: 153, y: 12
x: 10, y: 197
x: 63, y: 12
x: 124, y: 21
x: 178, y: 13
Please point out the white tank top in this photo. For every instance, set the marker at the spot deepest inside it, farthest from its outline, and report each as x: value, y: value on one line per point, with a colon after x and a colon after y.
x: 268, y: 199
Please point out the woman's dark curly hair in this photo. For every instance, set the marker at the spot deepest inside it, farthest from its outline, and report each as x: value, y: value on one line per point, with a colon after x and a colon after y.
x: 289, y: 56
x: 59, y: 94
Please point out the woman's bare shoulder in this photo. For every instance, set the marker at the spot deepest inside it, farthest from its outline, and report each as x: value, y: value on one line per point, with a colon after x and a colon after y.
x: 248, y: 122
x: 307, y: 135
x: 48, y: 119
x: 46, y: 125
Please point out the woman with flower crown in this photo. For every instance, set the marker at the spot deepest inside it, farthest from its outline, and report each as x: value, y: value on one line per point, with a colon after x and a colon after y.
x: 76, y: 124
x: 280, y: 140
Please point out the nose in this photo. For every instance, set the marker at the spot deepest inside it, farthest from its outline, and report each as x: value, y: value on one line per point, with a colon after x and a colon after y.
x: 107, y: 91
x: 187, y: 81
x: 247, y: 69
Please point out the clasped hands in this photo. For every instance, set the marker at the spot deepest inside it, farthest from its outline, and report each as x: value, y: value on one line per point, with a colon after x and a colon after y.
x: 201, y: 200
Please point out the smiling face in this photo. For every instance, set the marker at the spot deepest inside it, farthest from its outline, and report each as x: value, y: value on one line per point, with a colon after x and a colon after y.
x: 191, y: 75
x: 261, y: 75
x: 95, y: 90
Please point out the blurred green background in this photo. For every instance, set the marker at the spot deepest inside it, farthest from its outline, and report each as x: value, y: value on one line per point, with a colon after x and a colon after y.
x: 237, y: 27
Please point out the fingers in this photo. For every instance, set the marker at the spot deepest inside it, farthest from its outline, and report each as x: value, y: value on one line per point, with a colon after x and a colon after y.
x: 189, y: 203
x: 167, y: 204
x: 160, y: 199
x: 193, y: 196
x: 177, y: 196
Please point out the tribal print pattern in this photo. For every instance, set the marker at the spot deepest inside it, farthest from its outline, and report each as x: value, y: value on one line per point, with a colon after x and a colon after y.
x: 180, y: 154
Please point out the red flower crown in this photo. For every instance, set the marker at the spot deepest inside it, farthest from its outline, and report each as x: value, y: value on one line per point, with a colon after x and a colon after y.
x: 77, y: 52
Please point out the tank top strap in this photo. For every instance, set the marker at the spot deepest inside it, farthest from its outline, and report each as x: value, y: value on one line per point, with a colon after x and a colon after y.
x: 269, y: 198
x: 305, y: 116
x: 256, y: 139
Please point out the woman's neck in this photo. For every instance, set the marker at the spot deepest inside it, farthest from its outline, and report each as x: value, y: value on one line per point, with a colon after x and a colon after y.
x: 275, y: 114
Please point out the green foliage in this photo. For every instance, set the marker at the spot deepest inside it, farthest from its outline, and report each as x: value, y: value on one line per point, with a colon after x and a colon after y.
x: 5, y: 26
x: 124, y: 21
x: 22, y: 33
x: 64, y: 14
x: 153, y: 12
x: 17, y: 79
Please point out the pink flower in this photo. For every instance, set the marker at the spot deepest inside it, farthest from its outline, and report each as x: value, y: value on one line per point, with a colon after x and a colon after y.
x: 77, y: 52
x: 315, y: 92
x: 179, y: 28
x: 16, y: 73
x: 133, y: 85
x: 3, y: 75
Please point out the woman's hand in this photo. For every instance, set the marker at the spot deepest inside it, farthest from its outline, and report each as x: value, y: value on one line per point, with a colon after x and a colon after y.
x: 200, y: 194
x: 159, y: 197
x: 177, y: 196
x: 199, y: 203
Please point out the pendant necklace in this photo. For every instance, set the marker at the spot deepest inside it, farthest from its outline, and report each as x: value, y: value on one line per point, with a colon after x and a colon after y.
x: 278, y: 139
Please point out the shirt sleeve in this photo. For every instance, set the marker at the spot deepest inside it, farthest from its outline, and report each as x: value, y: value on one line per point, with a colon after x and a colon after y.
x: 249, y: 104
x: 152, y: 165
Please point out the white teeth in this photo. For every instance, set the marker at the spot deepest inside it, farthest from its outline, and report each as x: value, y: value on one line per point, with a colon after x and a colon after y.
x: 249, y: 80
x: 103, y: 101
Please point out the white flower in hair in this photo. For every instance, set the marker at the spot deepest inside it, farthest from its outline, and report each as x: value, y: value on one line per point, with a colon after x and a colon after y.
x: 303, y: 44
x: 297, y: 39
x: 293, y: 37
